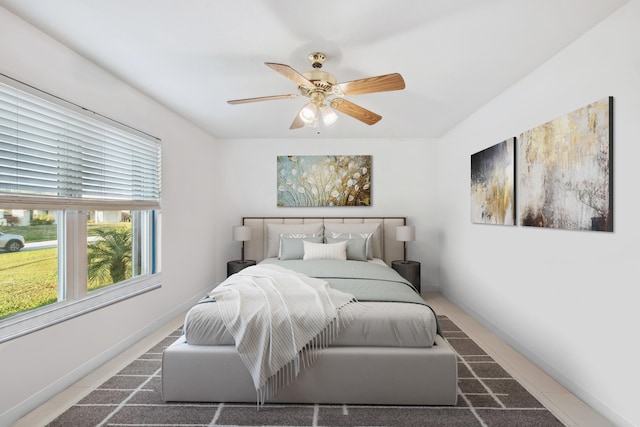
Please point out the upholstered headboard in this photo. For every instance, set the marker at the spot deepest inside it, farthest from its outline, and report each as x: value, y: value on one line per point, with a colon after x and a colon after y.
x: 256, y: 248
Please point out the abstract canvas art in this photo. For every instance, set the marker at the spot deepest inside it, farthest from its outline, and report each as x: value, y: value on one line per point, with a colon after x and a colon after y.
x: 324, y: 181
x: 492, y: 184
x: 564, y: 171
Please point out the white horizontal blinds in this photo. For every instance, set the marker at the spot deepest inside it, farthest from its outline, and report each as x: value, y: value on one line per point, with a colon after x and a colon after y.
x: 59, y: 158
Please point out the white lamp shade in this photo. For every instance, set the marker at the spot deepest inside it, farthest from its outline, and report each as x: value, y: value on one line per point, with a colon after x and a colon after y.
x: 329, y: 116
x: 308, y: 113
x: 406, y: 233
x: 241, y: 233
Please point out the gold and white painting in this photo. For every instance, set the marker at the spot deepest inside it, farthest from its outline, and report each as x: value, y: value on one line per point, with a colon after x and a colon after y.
x: 564, y: 171
x: 492, y: 184
x: 324, y: 181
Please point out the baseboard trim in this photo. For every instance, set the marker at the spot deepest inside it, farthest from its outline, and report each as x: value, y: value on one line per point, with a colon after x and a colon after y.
x: 429, y: 288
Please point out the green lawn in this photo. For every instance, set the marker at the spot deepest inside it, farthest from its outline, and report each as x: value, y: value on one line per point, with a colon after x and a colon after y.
x: 29, y: 280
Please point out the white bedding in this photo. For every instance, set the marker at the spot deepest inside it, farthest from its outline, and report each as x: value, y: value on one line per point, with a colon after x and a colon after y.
x: 279, y: 319
x: 383, y: 324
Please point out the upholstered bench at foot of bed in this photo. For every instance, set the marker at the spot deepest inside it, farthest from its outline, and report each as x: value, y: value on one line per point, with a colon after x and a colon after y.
x: 340, y: 375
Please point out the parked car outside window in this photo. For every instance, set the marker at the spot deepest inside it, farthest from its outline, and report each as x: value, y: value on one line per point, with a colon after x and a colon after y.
x: 11, y: 242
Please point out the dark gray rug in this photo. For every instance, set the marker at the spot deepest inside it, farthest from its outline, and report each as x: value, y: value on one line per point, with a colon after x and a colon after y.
x: 487, y: 396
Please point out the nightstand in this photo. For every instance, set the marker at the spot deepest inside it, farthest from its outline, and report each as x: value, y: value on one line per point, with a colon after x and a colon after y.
x: 235, y: 266
x: 410, y: 270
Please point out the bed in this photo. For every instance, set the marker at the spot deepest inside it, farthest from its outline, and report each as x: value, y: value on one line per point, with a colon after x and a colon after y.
x: 391, y: 353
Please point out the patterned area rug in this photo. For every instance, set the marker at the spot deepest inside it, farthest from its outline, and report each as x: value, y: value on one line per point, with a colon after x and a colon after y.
x: 487, y: 396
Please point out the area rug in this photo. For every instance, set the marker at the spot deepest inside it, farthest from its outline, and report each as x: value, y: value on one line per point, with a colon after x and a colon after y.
x: 487, y: 396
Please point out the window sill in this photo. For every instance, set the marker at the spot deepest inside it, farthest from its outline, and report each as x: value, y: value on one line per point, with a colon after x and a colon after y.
x: 40, y: 318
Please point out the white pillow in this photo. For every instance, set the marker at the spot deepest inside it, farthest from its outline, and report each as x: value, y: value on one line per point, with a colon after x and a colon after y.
x: 274, y: 231
x: 347, y: 229
x: 325, y: 250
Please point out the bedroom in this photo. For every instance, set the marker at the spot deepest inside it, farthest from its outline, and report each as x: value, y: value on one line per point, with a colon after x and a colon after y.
x: 503, y: 276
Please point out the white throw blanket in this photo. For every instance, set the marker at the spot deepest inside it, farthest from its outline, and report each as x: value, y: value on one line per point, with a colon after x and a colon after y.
x: 278, y: 318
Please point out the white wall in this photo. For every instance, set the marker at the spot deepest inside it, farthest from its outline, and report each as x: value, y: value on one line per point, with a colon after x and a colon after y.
x: 36, y: 366
x: 567, y: 299
x: 403, y: 184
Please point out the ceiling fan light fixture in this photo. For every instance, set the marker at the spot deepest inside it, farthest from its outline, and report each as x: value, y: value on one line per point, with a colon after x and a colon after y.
x: 308, y: 113
x: 321, y: 87
x: 329, y: 116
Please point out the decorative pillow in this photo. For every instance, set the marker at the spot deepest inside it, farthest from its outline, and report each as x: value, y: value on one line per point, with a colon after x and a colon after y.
x: 373, y: 228
x: 291, y: 246
x: 325, y: 250
x: 274, y: 231
x: 356, y: 245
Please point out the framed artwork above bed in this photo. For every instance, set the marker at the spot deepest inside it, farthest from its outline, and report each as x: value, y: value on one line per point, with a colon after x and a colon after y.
x: 341, y: 180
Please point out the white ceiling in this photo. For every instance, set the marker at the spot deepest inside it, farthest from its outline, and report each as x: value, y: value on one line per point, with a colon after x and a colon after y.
x: 194, y: 55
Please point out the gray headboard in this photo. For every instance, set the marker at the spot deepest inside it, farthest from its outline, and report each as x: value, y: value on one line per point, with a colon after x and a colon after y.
x: 256, y: 248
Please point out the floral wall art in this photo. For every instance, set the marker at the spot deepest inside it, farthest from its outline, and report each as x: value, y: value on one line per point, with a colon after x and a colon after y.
x: 324, y: 181
x: 492, y: 184
x: 564, y: 171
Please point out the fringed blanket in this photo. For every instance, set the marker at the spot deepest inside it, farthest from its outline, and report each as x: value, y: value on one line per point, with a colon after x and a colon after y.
x: 278, y: 318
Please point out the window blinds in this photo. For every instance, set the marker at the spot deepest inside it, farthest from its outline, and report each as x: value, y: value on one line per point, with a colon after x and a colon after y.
x: 52, y: 157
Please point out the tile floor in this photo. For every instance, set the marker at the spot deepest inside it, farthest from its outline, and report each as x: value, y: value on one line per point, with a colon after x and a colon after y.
x: 567, y: 407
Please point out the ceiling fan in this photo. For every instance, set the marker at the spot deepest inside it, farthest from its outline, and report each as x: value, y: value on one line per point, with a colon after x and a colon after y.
x: 326, y: 95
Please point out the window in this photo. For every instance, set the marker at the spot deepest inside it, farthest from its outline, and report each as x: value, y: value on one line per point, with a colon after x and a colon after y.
x: 81, y: 196
x: 28, y: 275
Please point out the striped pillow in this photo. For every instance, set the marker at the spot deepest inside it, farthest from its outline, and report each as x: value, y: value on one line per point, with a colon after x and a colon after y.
x: 374, y: 244
x: 325, y: 250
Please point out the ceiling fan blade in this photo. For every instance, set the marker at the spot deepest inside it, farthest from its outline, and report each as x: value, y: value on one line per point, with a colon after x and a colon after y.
x: 262, y: 98
x: 382, y: 83
x: 355, y: 111
x: 297, y: 123
x: 290, y: 73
